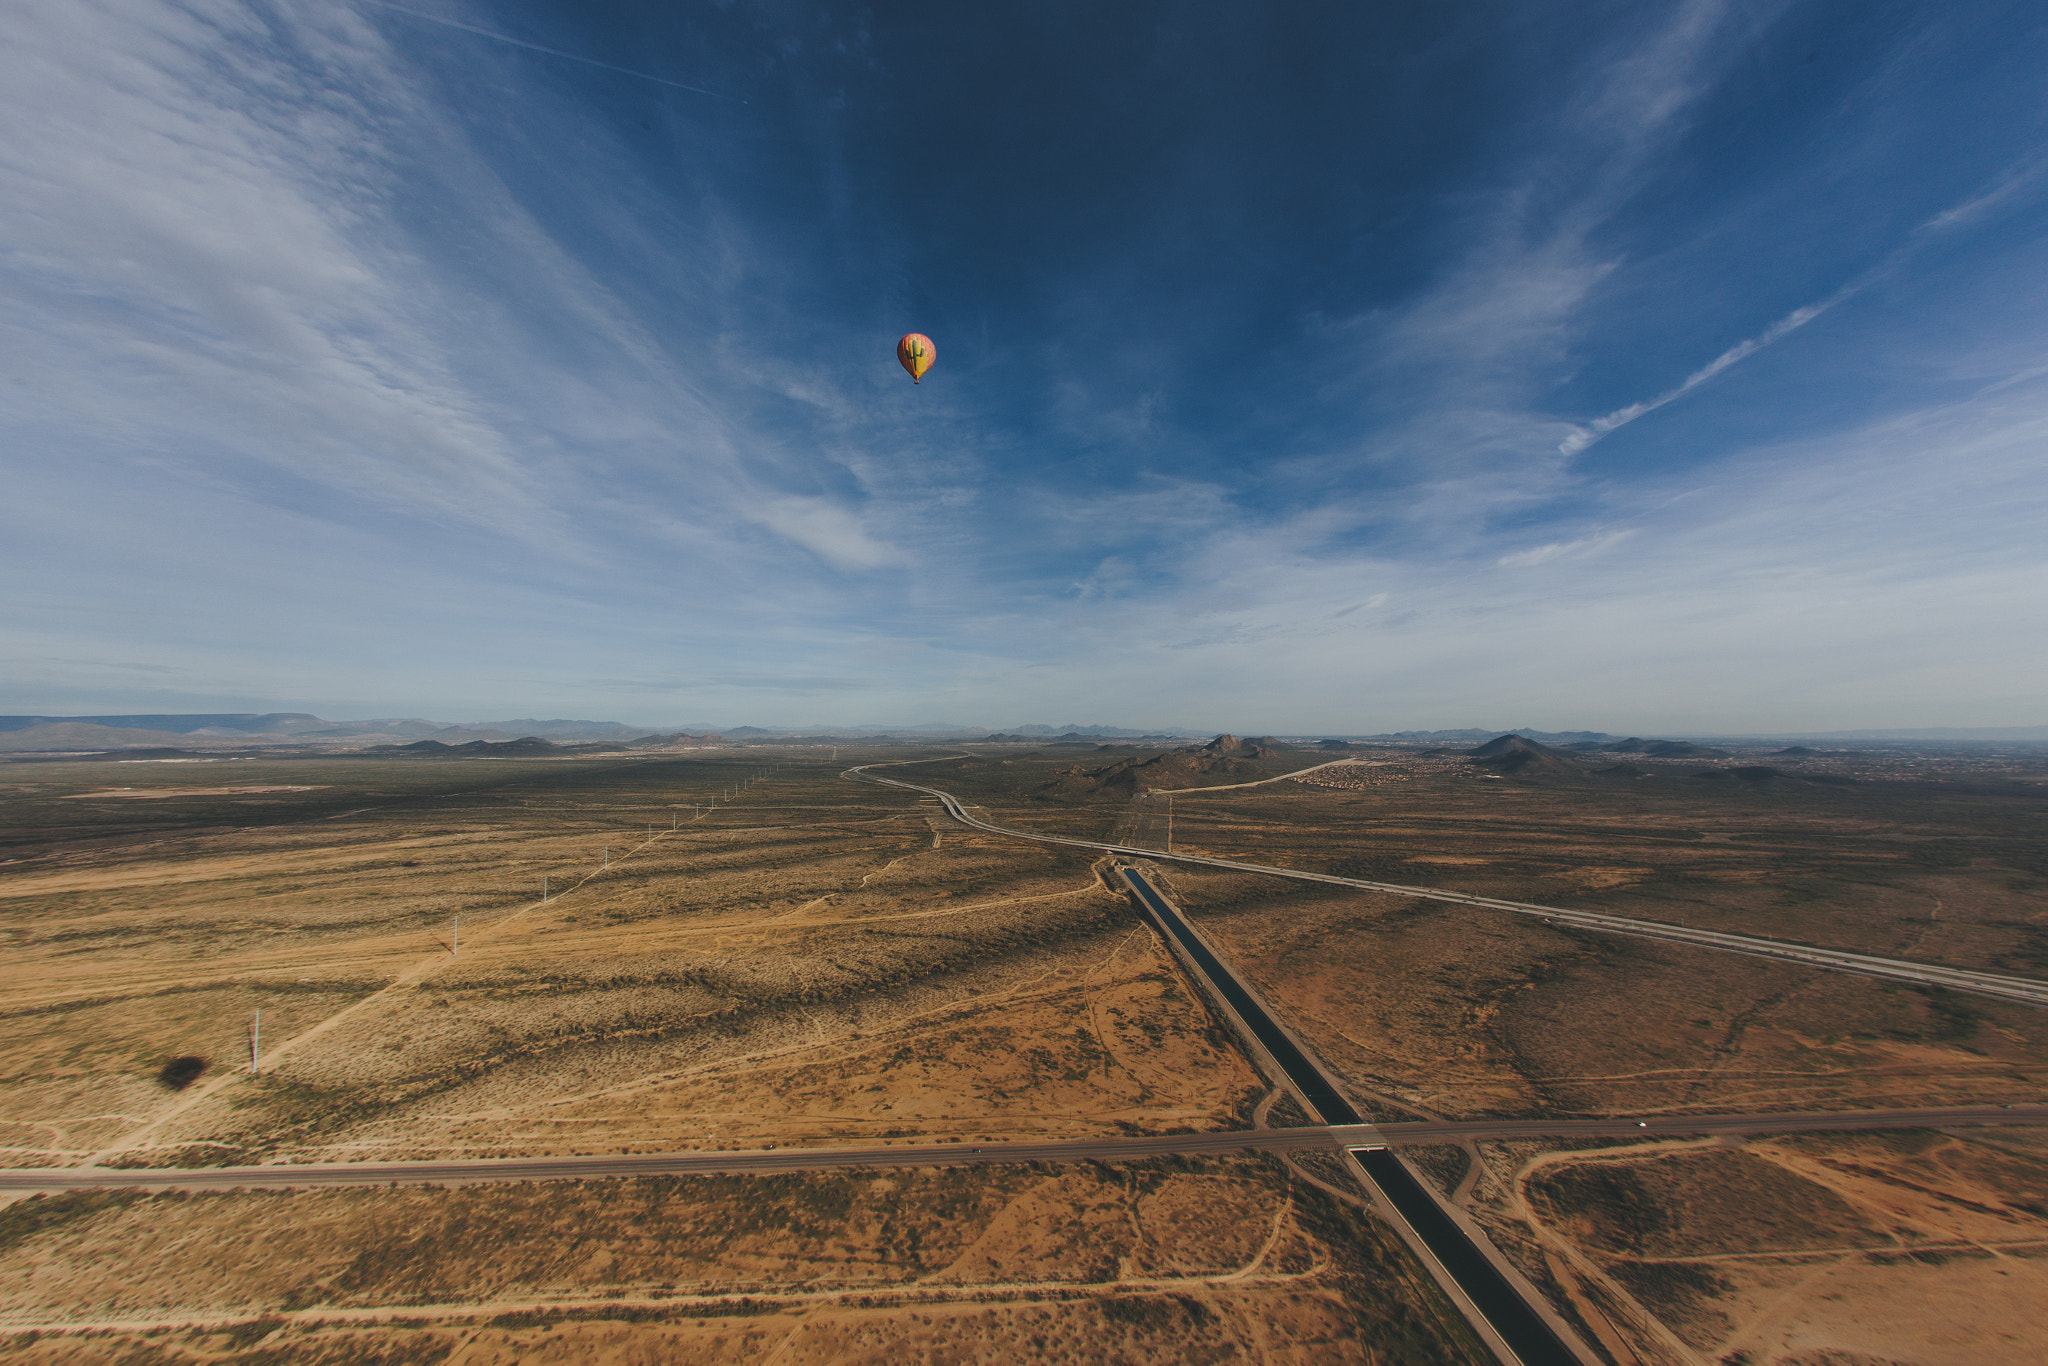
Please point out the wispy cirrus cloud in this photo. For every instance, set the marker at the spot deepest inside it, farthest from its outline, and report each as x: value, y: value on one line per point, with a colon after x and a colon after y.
x: 1559, y: 550
x: 352, y: 356
x: 831, y: 532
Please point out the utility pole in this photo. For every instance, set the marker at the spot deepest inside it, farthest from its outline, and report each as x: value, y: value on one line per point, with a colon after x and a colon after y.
x: 607, y: 856
x: 1169, y: 822
x: 543, y: 889
x: 455, y: 939
x: 255, y: 1039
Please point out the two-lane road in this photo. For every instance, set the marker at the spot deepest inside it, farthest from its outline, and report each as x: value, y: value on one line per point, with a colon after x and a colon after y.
x: 452, y: 1171
x: 2025, y: 990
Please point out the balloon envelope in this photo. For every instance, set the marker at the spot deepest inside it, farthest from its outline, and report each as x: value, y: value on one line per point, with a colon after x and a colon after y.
x: 917, y: 353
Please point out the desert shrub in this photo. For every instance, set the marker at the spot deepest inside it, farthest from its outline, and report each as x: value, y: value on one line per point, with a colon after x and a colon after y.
x: 1444, y: 1163
x: 1153, y: 1313
x: 1616, y: 1196
x: 181, y: 1072
x: 1672, y: 1289
x: 45, y: 1213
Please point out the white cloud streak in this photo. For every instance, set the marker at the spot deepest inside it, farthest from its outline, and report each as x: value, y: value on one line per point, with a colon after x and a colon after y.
x: 2000, y: 193
x: 1582, y: 437
x: 1559, y: 550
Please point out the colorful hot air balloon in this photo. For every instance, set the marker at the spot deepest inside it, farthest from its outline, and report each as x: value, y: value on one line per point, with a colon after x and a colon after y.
x: 917, y: 354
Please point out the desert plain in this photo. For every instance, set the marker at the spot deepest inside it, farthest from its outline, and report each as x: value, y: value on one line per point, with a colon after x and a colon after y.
x: 744, y: 949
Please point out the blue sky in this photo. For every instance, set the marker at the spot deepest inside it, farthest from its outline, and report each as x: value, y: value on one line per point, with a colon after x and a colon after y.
x: 1641, y: 367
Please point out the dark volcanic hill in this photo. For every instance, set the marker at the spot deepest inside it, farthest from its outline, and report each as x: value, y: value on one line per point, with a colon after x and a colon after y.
x: 530, y: 744
x: 1170, y: 771
x: 1265, y: 747
x: 510, y: 749
x: 1519, y: 755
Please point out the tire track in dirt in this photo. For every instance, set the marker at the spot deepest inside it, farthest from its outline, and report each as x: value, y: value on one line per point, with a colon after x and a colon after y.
x: 916, y: 1293
x: 198, y: 1095
x: 1569, y: 1264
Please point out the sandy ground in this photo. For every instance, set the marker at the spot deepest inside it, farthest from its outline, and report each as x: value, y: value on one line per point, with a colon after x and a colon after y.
x: 801, y: 965
x: 1443, y: 1012
x: 1801, y: 1250
x: 810, y: 960
x: 1197, y: 1262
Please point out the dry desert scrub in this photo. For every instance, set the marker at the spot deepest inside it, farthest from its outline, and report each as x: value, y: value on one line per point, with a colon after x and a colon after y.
x: 1171, y: 1260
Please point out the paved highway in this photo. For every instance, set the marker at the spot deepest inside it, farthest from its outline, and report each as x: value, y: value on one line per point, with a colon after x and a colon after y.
x: 1507, y: 1311
x: 2027, y: 991
x: 770, y: 1160
x: 1668, y: 1126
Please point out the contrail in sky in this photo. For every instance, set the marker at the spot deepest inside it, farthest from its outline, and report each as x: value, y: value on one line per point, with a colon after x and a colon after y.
x: 553, y: 51
x: 2014, y: 180
x: 1585, y: 436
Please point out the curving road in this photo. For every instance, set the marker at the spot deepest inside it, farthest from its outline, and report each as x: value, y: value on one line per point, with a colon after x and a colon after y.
x: 2026, y: 991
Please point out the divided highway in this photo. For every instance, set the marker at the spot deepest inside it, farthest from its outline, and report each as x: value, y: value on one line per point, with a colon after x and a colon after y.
x: 1514, y: 1319
x: 2024, y: 990
x: 1504, y: 1308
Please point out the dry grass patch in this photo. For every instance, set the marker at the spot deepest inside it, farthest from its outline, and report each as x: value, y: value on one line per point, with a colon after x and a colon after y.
x: 1178, y: 1261
x: 1929, y: 1246
x: 799, y: 964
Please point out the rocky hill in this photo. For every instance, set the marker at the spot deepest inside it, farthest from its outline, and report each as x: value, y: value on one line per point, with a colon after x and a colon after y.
x: 1226, y: 759
x: 1524, y: 757
x: 1265, y: 747
x: 528, y: 746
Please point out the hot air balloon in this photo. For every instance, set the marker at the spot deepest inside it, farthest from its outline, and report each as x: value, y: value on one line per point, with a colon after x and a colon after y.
x: 917, y: 354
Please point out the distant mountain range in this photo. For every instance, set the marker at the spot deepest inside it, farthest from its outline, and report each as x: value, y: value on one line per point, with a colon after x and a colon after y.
x: 238, y: 725
x: 229, y: 723
x: 219, y: 730
x: 235, y: 730
x: 1473, y: 735
x: 24, y: 734
x: 1916, y: 733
